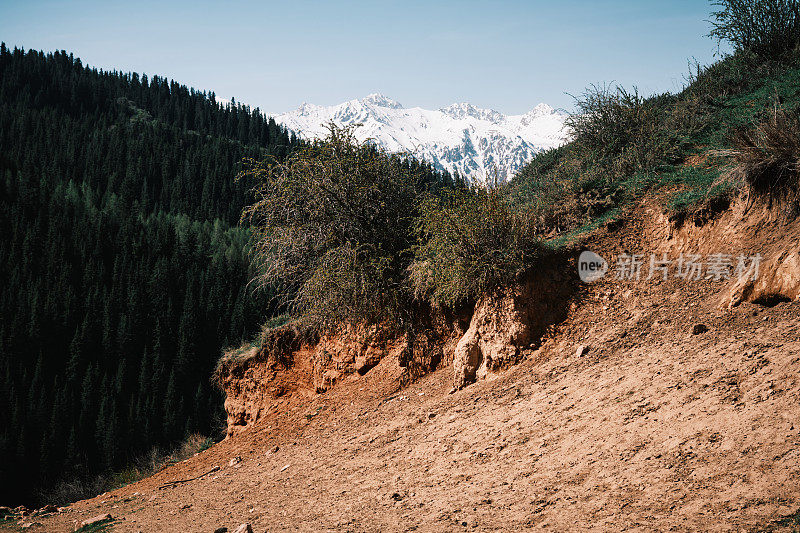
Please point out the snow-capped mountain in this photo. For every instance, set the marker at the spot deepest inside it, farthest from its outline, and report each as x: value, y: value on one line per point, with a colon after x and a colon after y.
x: 475, y: 142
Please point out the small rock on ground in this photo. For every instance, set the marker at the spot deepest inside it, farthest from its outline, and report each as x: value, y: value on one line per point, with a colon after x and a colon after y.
x: 95, y: 520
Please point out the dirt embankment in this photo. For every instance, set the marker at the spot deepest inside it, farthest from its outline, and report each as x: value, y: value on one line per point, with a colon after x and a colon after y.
x: 290, y: 364
x: 680, y: 411
x: 493, y: 336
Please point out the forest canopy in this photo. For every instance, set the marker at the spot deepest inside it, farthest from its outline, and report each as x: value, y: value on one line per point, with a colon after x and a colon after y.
x: 124, y: 269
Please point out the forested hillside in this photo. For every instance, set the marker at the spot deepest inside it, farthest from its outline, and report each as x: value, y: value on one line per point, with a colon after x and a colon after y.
x: 124, y: 272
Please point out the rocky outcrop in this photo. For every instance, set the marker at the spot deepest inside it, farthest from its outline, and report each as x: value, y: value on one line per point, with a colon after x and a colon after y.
x: 505, y: 324
x: 778, y: 279
x: 502, y: 327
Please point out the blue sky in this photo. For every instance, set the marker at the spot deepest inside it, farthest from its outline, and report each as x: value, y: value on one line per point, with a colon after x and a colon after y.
x: 505, y: 55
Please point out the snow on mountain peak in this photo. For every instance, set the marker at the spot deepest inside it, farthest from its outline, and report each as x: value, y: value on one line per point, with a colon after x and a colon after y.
x: 307, y: 109
x: 464, y: 110
x: 477, y: 143
x: 379, y: 100
x: 542, y: 109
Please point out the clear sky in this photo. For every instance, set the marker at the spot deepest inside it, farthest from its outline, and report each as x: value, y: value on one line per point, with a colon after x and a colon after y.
x: 505, y: 55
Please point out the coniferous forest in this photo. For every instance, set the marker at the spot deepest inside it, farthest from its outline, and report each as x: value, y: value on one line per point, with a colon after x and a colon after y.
x: 124, y: 270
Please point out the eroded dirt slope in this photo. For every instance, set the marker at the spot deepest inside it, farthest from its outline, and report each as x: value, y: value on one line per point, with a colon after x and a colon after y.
x: 654, y: 428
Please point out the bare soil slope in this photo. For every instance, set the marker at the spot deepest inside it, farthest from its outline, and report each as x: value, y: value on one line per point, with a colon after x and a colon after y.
x: 655, y: 428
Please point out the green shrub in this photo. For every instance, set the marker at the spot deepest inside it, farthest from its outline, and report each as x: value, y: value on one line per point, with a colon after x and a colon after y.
x: 768, y: 28
x: 472, y: 242
x: 624, y: 144
x: 722, y: 79
x: 334, y: 226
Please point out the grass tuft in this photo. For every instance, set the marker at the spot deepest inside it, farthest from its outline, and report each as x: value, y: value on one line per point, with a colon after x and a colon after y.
x: 768, y: 156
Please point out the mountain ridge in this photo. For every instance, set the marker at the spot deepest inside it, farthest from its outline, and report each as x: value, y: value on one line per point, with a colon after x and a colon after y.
x: 460, y: 138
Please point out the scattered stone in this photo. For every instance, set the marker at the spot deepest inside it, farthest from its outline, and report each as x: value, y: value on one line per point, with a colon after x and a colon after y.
x: 699, y: 328
x: 582, y: 350
x: 46, y: 510
x: 397, y: 497
x: 244, y: 528
x: 235, y: 461
x: 285, y: 467
x: 274, y: 450
x: 431, y: 415
x: 95, y: 520
x: 221, y: 530
x: 4, y: 511
x: 28, y: 525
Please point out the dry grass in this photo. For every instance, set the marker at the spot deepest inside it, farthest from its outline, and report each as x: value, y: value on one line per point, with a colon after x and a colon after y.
x: 767, y: 157
x: 274, y: 344
x: 78, y: 488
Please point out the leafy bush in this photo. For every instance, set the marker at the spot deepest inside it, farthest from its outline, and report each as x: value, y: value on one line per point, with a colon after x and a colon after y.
x: 622, y: 132
x: 768, y: 156
x: 472, y: 241
x: 334, y: 226
x: 768, y: 28
x: 722, y: 79
x: 546, y: 187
